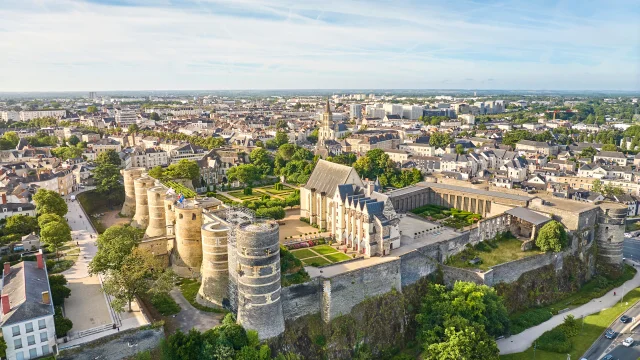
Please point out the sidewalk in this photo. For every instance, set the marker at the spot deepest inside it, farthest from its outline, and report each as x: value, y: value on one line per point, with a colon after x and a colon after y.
x: 524, y: 340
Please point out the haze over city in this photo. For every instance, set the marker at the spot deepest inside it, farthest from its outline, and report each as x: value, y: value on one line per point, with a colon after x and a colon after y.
x: 69, y: 45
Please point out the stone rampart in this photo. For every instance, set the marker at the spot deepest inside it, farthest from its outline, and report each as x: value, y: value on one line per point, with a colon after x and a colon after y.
x: 302, y: 299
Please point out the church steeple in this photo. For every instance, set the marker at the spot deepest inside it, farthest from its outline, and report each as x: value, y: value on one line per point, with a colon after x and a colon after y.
x: 326, y: 127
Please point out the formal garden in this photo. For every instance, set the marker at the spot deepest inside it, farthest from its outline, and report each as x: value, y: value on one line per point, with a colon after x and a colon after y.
x: 450, y: 217
x: 320, y: 255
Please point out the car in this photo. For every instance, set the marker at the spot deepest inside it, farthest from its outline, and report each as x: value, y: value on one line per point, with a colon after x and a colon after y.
x: 628, y: 342
x: 609, y: 334
x: 608, y: 357
x: 625, y: 319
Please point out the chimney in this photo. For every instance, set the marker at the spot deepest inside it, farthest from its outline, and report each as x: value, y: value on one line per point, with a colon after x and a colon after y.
x: 45, y: 297
x: 39, y: 259
x: 7, y: 268
x: 6, y: 307
x: 4, y: 198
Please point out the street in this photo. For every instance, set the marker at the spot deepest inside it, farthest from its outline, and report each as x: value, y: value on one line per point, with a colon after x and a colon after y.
x: 631, y: 248
x: 604, y: 346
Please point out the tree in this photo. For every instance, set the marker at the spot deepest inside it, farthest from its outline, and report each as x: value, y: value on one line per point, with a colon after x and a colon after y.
x: 609, y: 147
x: 59, y: 291
x: 245, y: 173
x: 313, y: 136
x: 92, y: 109
x: 139, y: 273
x: 156, y: 172
x: 133, y: 128
x: 589, y: 152
x: 3, y: 348
x: 113, y: 246
x: 62, y: 324
x: 45, y: 219
x: 55, y: 234
x: 50, y: 202
x: 107, y: 178
x: 440, y: 139
x: 596, y: 186
x: 20, y: 224
x: 275, y: 212
x: 73, y: 140
x: 12, y: 137
x: 184, y: 169
x: 262, y: 159
x: 460, y: 149
x: 478, y: 304
x: 611, y: 190
x: 463, y: 341
x: 66, y: 152
x: 154, y: 116
x: 551, y: 236
x: 108, y: 157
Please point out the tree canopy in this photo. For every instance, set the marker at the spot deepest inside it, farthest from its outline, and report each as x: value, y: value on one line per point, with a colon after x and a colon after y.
x: 440, y: 139
x: 108, y: 157
x: 55, y: 234
x: 50, y: 202
x: 113, y: 246
x: 184, y: 169
x: 21, y: 224
x: 245, y: 173
x: 552, y: 236
x: 376, y: 164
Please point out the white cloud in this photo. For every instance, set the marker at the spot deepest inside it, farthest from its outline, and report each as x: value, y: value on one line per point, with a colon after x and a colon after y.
x: 73, y: 45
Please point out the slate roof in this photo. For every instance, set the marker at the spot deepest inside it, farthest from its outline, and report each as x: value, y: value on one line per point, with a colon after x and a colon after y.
x: 327, y: 176
x: 25, y: 285
x: 528, y: 215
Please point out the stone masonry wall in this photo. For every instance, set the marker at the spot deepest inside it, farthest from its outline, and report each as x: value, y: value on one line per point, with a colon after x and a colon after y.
x: 511, y: 271
x: 342, y: 292
x: 453, y: 274
x: 302, y: 299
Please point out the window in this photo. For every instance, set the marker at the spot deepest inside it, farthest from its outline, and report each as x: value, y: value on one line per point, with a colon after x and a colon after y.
x: 33, y: 353
x: 29, y: 327
x: 45, y: 349
x: 42, y: 324
x: 17, y: 343
x: 31, y: 340
x: 43, y: 337
x: 16, y: 330
x: 19, y: 355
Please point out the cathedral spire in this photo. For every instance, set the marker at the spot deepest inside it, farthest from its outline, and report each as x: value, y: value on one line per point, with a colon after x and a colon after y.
x: 327, y: 108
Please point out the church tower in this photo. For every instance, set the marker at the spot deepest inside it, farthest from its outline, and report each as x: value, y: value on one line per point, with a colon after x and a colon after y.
x: 326, y: 127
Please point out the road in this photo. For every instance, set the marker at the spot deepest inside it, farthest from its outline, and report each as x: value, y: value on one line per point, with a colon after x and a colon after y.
x: 603, y: 346
x: 631, y: 249
x: 83, y: 234
x: 522, y: 341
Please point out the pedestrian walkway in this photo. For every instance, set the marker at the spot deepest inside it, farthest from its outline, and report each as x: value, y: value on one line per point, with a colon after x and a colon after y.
x: 524, y: 340
x: 190, y: 317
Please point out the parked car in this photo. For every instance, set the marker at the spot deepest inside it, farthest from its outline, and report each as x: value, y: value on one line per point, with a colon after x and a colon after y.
x: 608, y: 357
x: 625, y: 319
x: 609, y: 334
x: 628, y: 341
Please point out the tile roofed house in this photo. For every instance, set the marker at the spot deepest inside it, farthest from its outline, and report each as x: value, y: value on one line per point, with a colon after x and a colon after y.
x: 27, y: 310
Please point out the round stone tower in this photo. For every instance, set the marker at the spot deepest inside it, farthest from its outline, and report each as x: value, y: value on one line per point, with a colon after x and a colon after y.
x: 129, y: 206
x: 258, y: 276
x: 215, y: 271
x: 141, y: 185
x: 157, y: 223
x: 188, y: 243
x: 610, y: 235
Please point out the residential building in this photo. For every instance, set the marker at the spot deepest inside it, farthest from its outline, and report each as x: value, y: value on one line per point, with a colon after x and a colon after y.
x: 30, y: 115
x: 611, y: 156
x: 104, y: 145
x: 355, y: 110
x: 27, y: 310
x: 126, y: 117
x: 147, y: 158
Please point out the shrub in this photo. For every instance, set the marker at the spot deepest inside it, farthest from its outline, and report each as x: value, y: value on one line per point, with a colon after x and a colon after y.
x: 555, y: 340
x: 165, y: 304
x: 247, y: 191
x: 529, y: 319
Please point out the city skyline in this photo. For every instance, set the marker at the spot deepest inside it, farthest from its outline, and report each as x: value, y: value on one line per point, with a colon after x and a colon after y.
x: 197, y: 45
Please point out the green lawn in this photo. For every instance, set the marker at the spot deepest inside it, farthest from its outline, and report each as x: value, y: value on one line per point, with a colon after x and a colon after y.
x: 324, y: 249
x: 303, y: 253
x: 593, y: 327
x: 337, y: 257
x: 507, y: 250
x: 189, y: 289
x: 316, y: 261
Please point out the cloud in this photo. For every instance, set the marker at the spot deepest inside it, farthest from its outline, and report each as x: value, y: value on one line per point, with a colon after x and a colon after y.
x: 215, y: 44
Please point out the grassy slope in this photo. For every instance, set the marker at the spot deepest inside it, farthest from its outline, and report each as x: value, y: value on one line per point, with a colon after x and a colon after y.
x: 593, y: 327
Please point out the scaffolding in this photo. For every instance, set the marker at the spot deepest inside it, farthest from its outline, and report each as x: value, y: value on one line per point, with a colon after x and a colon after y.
x: 235, y: 216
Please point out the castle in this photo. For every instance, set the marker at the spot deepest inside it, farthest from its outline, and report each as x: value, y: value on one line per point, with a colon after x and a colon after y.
x: 237, y: 257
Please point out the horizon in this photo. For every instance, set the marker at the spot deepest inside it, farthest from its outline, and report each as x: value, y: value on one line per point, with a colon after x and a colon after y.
x: 284, y: 45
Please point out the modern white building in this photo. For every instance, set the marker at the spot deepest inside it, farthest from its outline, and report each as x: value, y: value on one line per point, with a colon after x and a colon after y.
x: 356, y: 111
x: 30, y: 115
x: 27, y: 310
x: 9, y: 116
x: 147, y: 158
x: 126, y: 117
x: 392, y: 109
x: 412, y: 112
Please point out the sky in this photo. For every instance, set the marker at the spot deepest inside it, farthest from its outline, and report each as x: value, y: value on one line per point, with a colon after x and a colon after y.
x: 100, y: 45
